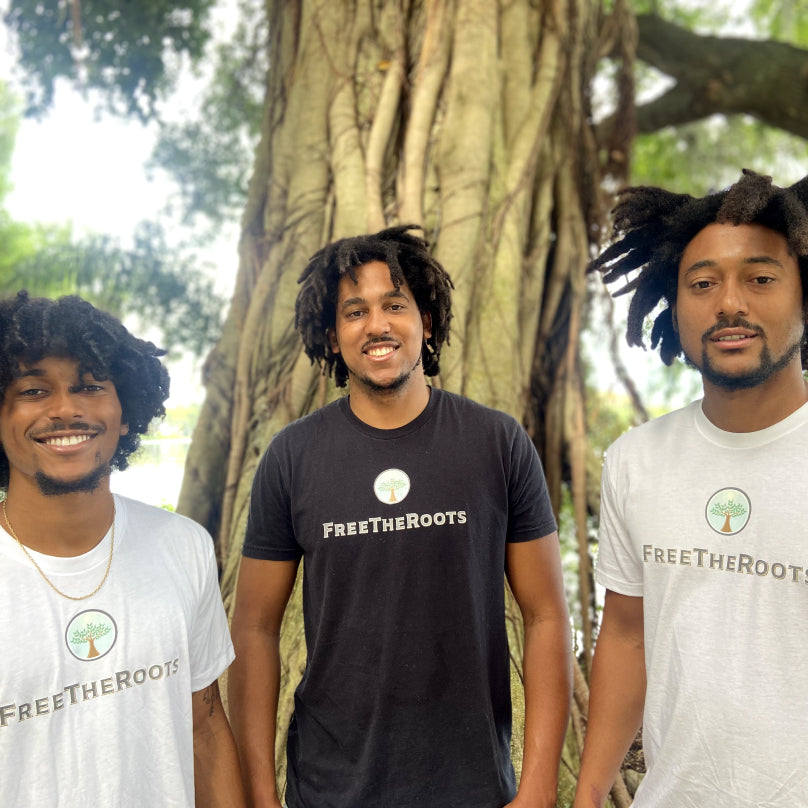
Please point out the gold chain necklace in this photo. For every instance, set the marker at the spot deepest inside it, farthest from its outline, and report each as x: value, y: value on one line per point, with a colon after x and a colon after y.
x: 39, y: 569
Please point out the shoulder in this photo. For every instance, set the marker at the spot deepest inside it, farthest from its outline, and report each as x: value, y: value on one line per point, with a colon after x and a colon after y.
x: 160, y: 527
x: 307, y: 426
x: 469, y: 409
x: 671, y: 429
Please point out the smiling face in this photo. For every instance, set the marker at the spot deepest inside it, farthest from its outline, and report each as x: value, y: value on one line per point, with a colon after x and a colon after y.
x: 379, y: 332
x: 739, y: 307
x: 58, y: 429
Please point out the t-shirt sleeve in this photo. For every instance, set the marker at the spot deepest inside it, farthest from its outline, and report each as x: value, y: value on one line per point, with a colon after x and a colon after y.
x: 530, y: 515
x: 618, y: 567
x: 270, y: 534
x: 211, y: 650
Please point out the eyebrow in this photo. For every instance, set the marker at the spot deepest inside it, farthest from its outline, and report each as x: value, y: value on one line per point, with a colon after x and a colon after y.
x: 353, y: 301
x: 752, y: 259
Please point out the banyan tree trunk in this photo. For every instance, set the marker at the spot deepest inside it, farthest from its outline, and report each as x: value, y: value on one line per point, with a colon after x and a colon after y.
x: 472, y: 119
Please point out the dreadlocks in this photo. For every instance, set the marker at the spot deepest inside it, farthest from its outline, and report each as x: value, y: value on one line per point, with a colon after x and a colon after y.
x: 409, y: 261
x: 652, y: 227
x: 32, y: 329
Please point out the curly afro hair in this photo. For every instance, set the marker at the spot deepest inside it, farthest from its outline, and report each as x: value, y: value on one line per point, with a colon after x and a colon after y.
x: 409, y: 261
x: 652, y: 227
x: 32, y: 329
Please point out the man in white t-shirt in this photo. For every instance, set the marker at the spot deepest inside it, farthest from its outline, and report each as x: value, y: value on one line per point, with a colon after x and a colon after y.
x: 703, y: 549
x: 112, y: 624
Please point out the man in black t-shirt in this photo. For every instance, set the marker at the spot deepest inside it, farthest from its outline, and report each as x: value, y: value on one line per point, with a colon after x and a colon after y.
x: 407, y: 504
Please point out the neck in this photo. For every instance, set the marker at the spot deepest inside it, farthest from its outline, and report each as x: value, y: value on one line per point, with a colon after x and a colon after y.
x: 758, y: 407
x: 389, y: 410
x: 66, y: 525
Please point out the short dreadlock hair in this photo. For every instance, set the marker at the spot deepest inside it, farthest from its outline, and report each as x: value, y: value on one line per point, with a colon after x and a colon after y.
x: 32, y: 329
x: 409, y: 260
x: 652, y: 228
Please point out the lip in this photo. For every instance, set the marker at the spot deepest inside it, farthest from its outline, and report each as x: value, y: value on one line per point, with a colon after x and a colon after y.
x: 732, y: 339
x: 380, y: 351
x: 64, y: 442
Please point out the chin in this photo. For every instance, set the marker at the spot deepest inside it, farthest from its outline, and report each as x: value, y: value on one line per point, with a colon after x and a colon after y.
x: 54, y: 487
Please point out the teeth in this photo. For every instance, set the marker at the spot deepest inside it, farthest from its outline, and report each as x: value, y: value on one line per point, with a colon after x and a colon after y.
x: 69, y: 440
x: 380, y: 351
x: 732, y: 338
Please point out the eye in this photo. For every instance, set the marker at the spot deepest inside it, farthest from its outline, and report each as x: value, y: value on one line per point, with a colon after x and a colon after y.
x: 763, y: 280
x: 31, y: 392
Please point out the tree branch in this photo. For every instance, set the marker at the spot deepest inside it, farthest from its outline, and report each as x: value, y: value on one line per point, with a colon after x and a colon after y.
x: 726, y: 75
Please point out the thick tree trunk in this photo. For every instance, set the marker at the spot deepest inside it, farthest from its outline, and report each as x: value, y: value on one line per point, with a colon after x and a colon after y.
x: 470, y: 118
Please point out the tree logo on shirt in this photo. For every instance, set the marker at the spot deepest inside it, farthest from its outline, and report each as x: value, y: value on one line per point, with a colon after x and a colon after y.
x: 728, y: 511
x: 391, y: 486
x: 91, y: 635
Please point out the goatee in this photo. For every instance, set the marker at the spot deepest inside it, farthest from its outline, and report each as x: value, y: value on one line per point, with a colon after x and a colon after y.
x: 52, y: 487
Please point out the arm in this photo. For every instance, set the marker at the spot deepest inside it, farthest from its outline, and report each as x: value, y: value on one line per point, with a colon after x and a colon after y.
x: 263, y: 591
x: 534, y: 574
x: 617, y: 698
x: 217, y: 779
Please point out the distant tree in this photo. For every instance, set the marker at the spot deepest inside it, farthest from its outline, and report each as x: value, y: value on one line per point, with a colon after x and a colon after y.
x: 130, y: 51
x: 158, y: 284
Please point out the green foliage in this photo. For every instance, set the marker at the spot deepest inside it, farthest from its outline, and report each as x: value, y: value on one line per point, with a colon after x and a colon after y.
x: 157, y: 284
x: 784, y: 20
x: 9, y: 123
x: 210, y: 154
x: 181, y: 419
x: 129, y: 51
x: 708, y: 155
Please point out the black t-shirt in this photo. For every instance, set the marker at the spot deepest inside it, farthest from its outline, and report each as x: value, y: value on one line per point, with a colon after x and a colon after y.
x: 405, y: 699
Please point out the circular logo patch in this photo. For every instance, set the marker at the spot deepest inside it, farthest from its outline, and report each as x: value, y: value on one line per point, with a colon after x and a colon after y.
x: 391, y: 486
x: 91, y: 634
x: 728, y: 511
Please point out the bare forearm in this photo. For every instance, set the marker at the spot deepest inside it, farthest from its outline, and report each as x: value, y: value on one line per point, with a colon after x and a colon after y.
x: 217, y: 776
x: 253, y: 688
x: 548, y: 692
x: 617, y: 698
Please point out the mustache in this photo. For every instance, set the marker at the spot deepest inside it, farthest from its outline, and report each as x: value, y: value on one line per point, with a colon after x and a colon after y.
x: 735, y: 322
x: 379, y: 341
x: 62, y: 426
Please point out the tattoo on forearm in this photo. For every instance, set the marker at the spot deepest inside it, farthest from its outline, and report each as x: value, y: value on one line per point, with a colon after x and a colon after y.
x: 211, y: 696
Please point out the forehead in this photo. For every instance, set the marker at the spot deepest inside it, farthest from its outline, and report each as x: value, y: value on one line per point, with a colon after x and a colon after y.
x: 57, y: 366
x: 728, y: 244
x: 372, y: 278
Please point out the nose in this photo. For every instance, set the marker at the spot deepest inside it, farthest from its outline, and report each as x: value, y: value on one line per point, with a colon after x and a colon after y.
x: 731, y: 300
x: 64, y: 405
x: 377, y: 322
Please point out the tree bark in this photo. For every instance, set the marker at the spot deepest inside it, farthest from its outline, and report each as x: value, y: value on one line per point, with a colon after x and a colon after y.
x: 472, y: 119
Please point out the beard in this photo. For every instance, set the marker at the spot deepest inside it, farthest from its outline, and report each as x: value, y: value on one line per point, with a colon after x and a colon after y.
x: 388, y: 388
x: 767, y: 366
x: 53, y: 487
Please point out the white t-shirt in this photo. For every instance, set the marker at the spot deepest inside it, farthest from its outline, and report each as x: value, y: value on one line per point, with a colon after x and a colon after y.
x: 95, y: 695
x: 711, y: 529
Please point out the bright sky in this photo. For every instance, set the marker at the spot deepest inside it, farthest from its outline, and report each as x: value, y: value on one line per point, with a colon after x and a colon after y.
x: 76, y: 165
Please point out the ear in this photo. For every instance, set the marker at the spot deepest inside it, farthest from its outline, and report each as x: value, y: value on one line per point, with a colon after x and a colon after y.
x: 124, y: 428
x: 674, y: 319
x: 426, y: 319
x: 331, y: 334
